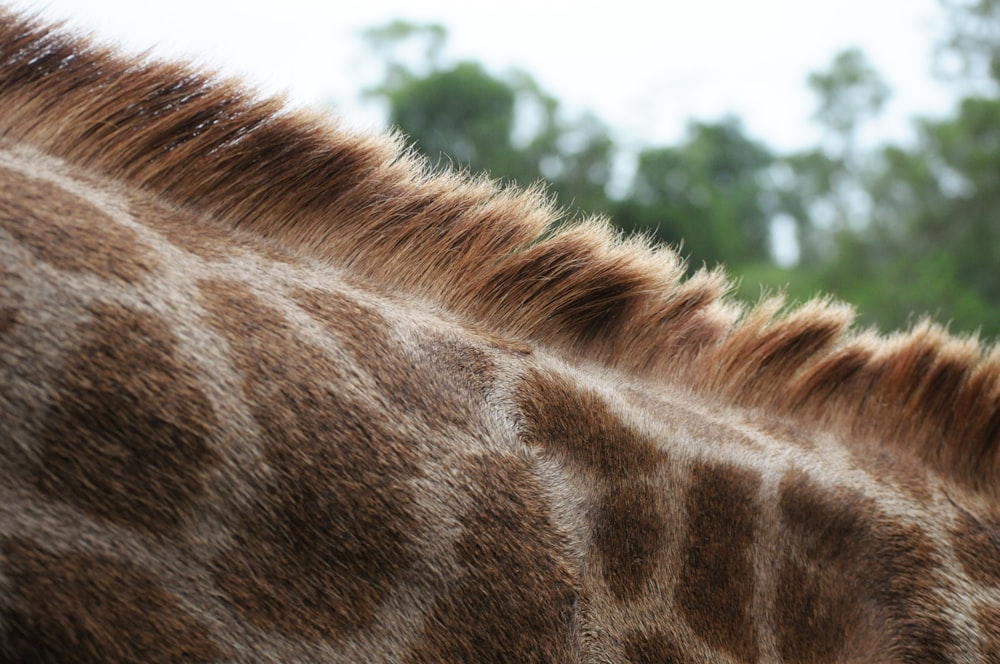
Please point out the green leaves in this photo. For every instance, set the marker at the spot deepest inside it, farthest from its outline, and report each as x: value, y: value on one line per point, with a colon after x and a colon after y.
x: 849, y: 93
x: 896, y: 230
x: 708, y: 195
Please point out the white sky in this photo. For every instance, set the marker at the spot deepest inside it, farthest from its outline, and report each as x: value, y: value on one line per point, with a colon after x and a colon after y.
x: 643, y: 67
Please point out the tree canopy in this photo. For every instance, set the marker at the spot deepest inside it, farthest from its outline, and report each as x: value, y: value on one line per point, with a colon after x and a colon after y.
x: 897, y: 230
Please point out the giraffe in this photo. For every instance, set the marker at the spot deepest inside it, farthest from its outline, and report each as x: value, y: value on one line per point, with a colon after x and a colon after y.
x: 271, y: 390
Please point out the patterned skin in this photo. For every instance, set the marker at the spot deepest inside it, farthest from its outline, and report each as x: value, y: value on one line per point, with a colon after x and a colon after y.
x: 271, y: 391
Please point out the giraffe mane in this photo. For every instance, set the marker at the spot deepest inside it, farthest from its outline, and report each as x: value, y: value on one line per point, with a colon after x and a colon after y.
x: 495, y: 257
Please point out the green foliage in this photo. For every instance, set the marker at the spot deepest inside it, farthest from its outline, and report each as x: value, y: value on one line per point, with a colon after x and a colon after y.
x: 575, y: 158
x: 935, y: 235
x: 849, y: 93
x: 462, y: 114
x: 707, y: 195
x: 898, y: 231
x: 763, y: 278
x: 390, y: 44
x: 971, y: 48
x: 825, y: 191
x: 506, y: 126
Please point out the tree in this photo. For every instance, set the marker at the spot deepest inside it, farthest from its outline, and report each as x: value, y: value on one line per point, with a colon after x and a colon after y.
x: 902, y: 231
x: 971, y: 47
x: 933, y: 243
x: 575, y: 157
x: 708, y: 195
x: 895, y: 230
x: 506, y: 126
x: 462, y: 114
x: 849, y: 93
x: 936, y: 218
x: 403, y: 47
x: 825, y: 191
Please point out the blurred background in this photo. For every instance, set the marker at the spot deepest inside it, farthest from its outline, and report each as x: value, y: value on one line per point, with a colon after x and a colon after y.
x: 848, y: 147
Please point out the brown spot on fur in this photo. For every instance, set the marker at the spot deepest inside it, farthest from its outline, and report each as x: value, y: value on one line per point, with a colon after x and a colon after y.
x: 74, y: 607
x: 988, y: 621
x: 815, y: 612
x: 184, y: 230
x: 715, y: 588
x: 68, y: 232
x: 346, y: 318
x: 470, y: 366
x: 629, y: 533
x: 655, y: 648
x: 203, y: 235
x: 579, y: 427
x: 330, y: 537
x: 895, y: 468
x: 8, y: 318
x: 854, y: 582
x: 128, y: 436
x: 977, y: 545
x: 517, y: 601
x: 11, y: 301
x: 437, y: 378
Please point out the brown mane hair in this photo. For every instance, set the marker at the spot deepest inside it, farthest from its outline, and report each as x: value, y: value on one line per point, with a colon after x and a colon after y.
x: 494, y: 257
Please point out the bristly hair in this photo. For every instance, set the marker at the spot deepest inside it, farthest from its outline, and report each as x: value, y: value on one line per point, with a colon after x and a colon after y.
x: 493, y: 256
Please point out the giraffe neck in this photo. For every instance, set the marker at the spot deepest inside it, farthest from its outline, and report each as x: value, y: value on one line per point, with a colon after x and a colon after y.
x: 223, y: 441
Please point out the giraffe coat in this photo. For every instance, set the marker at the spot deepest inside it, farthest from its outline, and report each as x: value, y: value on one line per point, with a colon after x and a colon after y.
x: 273, y: 391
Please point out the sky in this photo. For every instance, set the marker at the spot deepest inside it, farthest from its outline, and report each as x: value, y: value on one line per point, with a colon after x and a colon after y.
x: 644, y: 68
